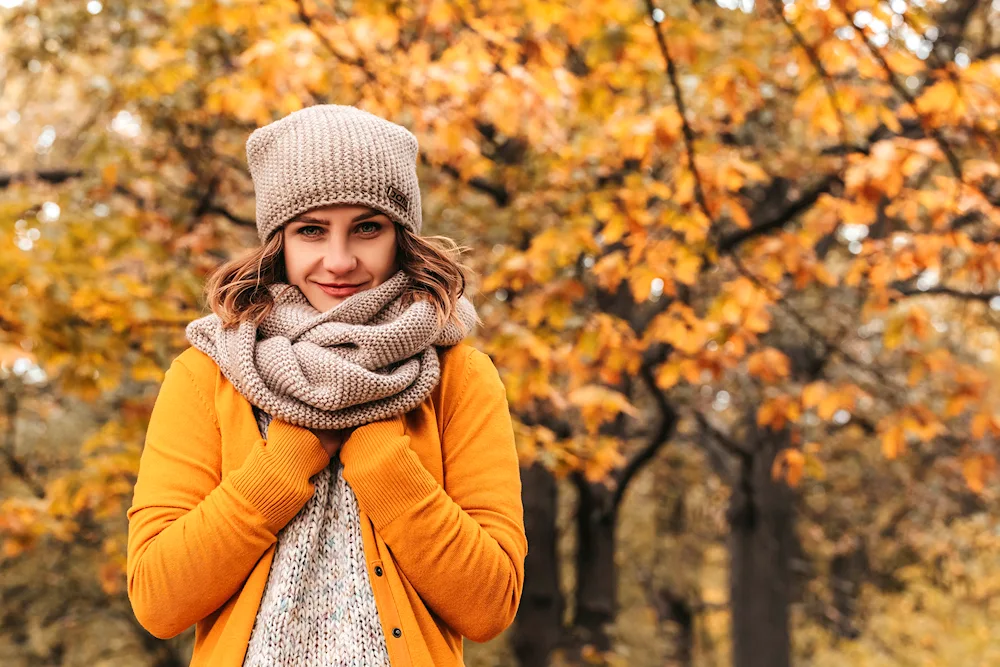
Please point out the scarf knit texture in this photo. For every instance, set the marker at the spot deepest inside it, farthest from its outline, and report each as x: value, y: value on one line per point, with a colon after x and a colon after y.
x: 369, y: 358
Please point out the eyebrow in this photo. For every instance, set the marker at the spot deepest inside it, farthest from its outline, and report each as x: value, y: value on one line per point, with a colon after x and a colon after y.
x: 370, y: 213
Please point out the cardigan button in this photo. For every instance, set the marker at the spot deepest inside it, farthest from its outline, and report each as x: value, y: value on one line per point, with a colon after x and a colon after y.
x: 378, y: 570
x: 397, y: 633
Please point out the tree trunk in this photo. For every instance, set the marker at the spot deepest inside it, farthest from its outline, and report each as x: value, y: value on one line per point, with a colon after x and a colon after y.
x: 761, y: 539
x: 675, y: 609
x: 596, y: 573
x: 539, y: 625
x: 847, y: 572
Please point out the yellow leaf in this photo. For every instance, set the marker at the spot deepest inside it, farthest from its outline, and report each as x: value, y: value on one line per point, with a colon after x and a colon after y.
x: 813, y: 393
x: 941, y: 97
x: 893, y: 335
x: 668, y: 375
x: 890, y: 120
x: 828, y: 406
x: 616, y: 228
x: 687, y: 266
x: 610, y: 270
x: 641, y: 282
x: 757, y: 319
x: 904, y: 62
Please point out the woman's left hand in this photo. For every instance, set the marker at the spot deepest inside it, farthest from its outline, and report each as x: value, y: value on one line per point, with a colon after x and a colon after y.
x: 390, y: 427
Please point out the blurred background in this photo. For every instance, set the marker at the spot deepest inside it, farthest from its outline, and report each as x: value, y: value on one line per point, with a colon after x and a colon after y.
x: 738, y: 265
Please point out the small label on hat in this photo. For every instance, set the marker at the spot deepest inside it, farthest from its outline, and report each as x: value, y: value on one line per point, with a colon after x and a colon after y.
x: 398, y: 197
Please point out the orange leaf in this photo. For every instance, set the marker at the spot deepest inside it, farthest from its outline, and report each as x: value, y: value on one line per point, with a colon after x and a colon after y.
x: 769, y: 365
x: 109, y: 174
x: 976, y: 469
x: 893, y: 442
x: 788, y: 465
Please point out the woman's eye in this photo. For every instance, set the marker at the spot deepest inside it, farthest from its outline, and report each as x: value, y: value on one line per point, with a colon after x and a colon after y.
x: 369, y: 228
x: 305, y: 230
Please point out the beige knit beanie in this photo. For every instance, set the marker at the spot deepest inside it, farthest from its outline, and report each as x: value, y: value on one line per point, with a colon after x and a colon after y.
x: 333, y: 154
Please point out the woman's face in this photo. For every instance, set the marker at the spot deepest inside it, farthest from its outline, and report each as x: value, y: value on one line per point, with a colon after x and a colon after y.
x: 334, y: 251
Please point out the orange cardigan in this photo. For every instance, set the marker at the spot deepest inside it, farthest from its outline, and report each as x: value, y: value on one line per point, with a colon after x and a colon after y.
x: 439, y: 491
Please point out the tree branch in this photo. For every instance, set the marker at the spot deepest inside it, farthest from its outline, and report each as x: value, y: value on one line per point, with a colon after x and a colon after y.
x: 909, y: 289
x: 226, y: 213
x: 699, y: 191
x: 730, y: 445
x: 498, y: 192
x: 729, y: 242
x: 901, y: 90
x: 762, y: 225
x: 664, y: 430
x: 54, y: 176
x: 16, y: 466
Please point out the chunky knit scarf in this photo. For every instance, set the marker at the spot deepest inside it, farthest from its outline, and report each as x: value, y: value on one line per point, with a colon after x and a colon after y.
x: 370, y: 357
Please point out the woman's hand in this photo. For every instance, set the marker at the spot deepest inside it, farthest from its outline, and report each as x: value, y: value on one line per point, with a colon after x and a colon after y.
x: 331, y: 438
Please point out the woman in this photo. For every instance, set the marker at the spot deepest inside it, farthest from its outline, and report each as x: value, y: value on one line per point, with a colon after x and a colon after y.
x: 329, y: 475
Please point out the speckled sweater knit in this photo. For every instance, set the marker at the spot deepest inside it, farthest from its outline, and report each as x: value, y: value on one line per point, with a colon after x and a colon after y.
x: 318, y: 607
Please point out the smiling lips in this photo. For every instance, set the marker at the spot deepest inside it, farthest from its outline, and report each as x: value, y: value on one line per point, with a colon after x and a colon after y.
x: 339, y: 289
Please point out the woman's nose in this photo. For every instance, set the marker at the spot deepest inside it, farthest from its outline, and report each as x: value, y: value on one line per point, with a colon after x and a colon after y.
x: 339, y: 260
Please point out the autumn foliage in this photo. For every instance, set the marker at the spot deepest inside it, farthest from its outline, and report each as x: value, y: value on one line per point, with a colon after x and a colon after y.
x: 698, y: 226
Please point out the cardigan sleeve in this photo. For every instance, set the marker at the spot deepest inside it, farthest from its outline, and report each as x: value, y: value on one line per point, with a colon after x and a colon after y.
x: 193, y: 536
x: 462, y: 546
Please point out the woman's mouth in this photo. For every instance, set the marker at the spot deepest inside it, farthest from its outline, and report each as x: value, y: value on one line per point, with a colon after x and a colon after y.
x: 340, y: 290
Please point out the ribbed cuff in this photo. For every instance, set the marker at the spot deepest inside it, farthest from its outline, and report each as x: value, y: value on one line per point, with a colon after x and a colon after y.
x: 384, y: 472
x: 275, y: 476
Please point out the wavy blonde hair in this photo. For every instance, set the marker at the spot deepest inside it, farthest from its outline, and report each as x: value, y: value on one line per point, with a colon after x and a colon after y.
x: 237, y: 291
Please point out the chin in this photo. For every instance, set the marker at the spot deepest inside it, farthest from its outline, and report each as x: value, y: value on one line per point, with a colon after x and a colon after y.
x: 324, y: 302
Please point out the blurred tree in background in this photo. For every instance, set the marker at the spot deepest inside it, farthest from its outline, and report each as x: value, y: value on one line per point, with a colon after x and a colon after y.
x: 739, y: 272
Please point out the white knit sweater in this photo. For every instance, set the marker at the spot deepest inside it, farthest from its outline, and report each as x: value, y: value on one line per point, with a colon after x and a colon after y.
x: 318, y: 607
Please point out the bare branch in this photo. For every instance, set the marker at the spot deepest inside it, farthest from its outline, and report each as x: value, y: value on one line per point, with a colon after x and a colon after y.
x: 909, y: 289
x: 664, y: 430
x: 54, y: 176
x: 730, y: 445
x: 226, y: 213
